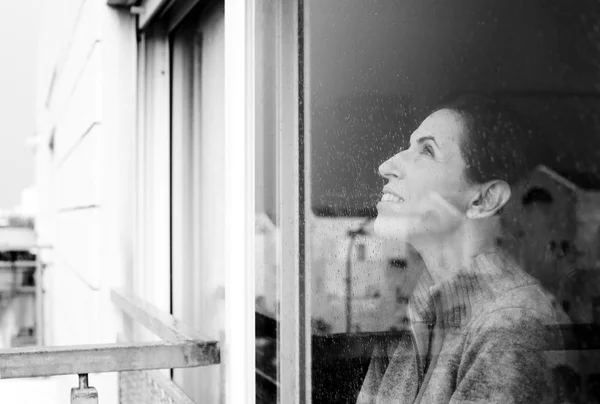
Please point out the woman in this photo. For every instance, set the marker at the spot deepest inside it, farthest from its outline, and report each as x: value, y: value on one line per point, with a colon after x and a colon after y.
x: 479, y: 324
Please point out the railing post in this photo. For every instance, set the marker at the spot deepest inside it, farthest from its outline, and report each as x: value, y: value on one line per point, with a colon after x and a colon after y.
x: 84, y: 394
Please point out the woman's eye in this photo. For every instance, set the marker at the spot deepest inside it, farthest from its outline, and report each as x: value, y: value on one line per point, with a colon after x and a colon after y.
x: 427, y: 149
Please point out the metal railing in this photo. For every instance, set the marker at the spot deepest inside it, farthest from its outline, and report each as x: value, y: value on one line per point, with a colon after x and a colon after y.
x: 181, y: 347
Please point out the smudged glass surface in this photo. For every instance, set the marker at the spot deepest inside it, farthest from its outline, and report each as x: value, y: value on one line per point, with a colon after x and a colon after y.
x: 375, y: 70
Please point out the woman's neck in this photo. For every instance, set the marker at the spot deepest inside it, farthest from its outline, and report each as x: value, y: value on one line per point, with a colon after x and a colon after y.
x: 446, y: 255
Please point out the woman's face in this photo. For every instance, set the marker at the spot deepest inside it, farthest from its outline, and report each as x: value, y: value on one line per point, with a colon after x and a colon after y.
x: 426, y: 193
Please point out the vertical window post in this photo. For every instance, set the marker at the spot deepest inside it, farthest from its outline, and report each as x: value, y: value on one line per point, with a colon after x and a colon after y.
x: 239, y: 203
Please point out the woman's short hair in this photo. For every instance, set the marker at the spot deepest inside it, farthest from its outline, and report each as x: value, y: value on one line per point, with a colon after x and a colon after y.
x: 499, y: 142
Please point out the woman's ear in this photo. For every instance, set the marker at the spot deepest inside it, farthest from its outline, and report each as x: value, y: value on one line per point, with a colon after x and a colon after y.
x: 491, y: 197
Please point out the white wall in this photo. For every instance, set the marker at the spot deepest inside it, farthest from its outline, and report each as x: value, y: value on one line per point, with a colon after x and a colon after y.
x: 86, y: 104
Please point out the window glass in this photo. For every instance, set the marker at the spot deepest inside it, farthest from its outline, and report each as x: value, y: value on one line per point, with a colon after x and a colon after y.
x: 376, y: 71
x: 372, y: 72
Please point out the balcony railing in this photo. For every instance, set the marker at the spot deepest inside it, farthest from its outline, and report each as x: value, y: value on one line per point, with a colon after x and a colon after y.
x: 181, y: 347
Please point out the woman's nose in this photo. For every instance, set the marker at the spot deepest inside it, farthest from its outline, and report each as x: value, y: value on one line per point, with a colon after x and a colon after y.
x: 392, y: 168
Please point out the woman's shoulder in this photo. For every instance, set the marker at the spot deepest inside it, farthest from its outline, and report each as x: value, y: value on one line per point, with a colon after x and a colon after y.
x: 514, y: 301
x: 518, y: 305
x: 510, y: 291
x: 522, y: 316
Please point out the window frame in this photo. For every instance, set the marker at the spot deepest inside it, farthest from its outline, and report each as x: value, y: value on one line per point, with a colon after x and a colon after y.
x: 152, y: 175
x: 295, y: 334
x: 153, y: 221
x: 239, y: 222
x: 154, y: 119
x: 198, y: 245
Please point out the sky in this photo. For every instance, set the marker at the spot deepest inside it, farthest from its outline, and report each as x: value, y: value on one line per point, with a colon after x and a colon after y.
x: 18, y: 44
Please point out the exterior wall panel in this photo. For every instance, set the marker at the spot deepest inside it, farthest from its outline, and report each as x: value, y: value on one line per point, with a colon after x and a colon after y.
x: 86, y: 125
x: 77, y: 49
x: 74, y: 308
x: 82, y: 111
x: 78, y: 177
x: 77, y: 243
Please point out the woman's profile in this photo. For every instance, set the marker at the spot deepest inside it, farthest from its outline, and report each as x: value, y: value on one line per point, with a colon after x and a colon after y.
x: 480, y: 326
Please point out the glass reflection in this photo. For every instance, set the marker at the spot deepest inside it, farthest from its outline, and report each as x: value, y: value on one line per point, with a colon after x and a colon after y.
x: 377, y: 70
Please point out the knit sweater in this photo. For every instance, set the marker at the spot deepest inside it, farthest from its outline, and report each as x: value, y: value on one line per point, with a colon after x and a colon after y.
x: 484, y: 336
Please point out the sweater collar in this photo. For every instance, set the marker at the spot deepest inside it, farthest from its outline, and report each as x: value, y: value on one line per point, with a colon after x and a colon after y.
x: 488, y: 275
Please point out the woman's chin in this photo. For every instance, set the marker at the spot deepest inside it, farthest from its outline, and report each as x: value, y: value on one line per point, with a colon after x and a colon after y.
x: 393, y: 227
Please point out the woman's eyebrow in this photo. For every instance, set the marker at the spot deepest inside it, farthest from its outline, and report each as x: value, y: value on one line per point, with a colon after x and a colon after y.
x: 423, y: 139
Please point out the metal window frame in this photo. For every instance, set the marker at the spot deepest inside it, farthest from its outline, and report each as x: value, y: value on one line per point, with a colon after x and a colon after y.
x: 148, y: 10
x: 238, y: 350
x: 294, y: 338
x: 152, y: 178
x: 169, y: 12
x: 198, y: 245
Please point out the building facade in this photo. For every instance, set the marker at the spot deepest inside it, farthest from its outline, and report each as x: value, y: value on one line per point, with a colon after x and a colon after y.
x: 130, y: 154
x: 218, y: 159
